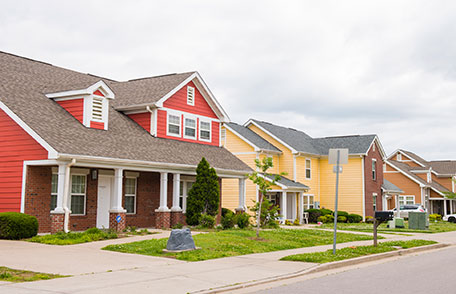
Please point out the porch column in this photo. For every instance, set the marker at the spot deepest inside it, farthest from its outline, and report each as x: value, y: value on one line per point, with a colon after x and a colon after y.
x: 301, y: 207
x: 176, y: 190
x: 444, y: 207
x: 293, y: 206
x: 117, y: 215
x: 163, y: 192
x: 60, y: 189
x: 242, y: 187
x: 283, y: 204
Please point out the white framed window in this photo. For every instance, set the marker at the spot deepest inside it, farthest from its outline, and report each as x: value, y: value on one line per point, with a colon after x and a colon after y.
x: 174, y: 125
x: 429, y: 177
x: 374, y: 201
x: 54, y: 189
x: 374, y: 169
x: 190, y: 96
x: 308, y: 201
x: 78, y: 194
x: 185, y: 186
x: 406, y: 199
x: 130, y: 195
x: 189, y: 128
x: 97, y: 108
x: 205, y: 131
x: 308, y: 169
x: 399, y: 157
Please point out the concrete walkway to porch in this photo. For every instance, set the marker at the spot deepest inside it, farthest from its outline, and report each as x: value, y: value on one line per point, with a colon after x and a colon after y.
x: 99, y: 271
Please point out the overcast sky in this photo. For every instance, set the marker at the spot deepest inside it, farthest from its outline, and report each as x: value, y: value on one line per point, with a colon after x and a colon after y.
x: 324, y: 67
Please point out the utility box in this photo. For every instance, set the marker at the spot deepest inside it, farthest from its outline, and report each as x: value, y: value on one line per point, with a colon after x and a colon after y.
x: 397, y: 222
x: 417, y: 220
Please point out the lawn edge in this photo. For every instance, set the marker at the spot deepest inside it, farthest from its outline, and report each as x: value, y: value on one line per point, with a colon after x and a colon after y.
x: 325, y: 267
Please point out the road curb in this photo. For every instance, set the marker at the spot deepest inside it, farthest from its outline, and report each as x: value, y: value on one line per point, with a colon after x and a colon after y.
x: 324, y: 267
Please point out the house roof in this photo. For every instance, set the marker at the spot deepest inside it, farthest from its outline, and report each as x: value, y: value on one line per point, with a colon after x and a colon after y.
x: 302, y: 142
x: 23, y: 85
x: 444, y: 166
x: 387, y: 186
x: 252, y: 137
x: 414, y: 157
x: 287, y: 183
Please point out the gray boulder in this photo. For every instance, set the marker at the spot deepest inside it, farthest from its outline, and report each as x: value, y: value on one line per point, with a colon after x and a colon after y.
x: 180, y: 240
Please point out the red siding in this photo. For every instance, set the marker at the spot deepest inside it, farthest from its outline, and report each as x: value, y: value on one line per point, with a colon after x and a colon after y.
x: 97, y: 92
x: 142, y: 119
x: 179, y: 102
x: 97, y: 125
x: 75, y: 107
x: 162, y: 125
x: 15, y: 147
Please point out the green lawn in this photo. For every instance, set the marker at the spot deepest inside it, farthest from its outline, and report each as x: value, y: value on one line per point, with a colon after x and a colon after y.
x: 238, y: 242
x: 17, y: 276
x: 61, y: 238
x: 434, y: 227
x: 352, y: 252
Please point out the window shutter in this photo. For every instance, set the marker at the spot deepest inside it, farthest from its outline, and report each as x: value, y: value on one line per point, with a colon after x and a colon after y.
x: 97, y: 108
x: 190, y: 96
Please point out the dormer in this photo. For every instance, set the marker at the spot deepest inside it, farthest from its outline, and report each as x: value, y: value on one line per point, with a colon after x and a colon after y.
x: 89, y: 106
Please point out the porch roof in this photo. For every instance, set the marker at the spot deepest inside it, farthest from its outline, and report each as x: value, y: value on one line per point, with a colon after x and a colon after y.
x: 286, y: 183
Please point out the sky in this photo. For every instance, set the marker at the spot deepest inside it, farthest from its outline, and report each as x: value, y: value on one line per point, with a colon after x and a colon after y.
x: 328, y: 68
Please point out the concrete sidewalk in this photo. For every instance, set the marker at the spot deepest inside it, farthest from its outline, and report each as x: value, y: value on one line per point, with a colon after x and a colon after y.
x: 99, y: 271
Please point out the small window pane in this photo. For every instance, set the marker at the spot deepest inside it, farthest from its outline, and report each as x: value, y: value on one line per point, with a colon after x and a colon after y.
x: 205, y: 126
x: 130, y: 186
x: 78, y: 184
x: 77, y: 204
x: 174, y: 119
x: 54, y: 182
x: 53, y: 202
x: 130, y: 204
x: 174, y: 129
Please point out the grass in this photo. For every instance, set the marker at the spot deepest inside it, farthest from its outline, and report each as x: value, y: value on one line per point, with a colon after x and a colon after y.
x: 18, y: 276
x: 352, y: 252
x: 434, y: 227
x: 238, y: 242
x: 92, y: 234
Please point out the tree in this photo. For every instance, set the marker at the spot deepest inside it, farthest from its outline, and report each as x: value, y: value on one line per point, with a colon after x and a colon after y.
x: 204, y: 196
x: 264, y: 181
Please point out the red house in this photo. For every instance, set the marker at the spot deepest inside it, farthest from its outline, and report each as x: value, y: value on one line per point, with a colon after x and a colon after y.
x: 79, y: 151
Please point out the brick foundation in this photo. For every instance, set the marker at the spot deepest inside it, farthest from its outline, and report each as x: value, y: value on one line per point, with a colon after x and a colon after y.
x: 177, y: 217
x: 162, y: 219
x: 114, y: 225
x: 57, y: 222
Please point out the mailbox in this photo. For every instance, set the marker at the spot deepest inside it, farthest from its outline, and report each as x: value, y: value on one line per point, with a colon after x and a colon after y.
x: 384, y: 216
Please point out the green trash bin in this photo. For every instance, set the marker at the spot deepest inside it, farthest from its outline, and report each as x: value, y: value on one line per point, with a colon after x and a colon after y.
x: 417, y: 220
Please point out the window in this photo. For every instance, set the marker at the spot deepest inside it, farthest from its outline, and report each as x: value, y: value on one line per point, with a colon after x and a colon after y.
x: 374, y: 169
x: 54, y: 183
x: 374, y: 200
x: 308, y: 169
x: 78, y: 194
x: 308, y: 202
x: 205, y: 131
x: 406, y: 200
x: 130, y: 195
x: 97, y: 109
x: 223, y: 137
x: 399, y: 157
x: 190, y: 128
x: 429, y: 177
x: 273, y: 198
x: 174, y: 125
x: 190, y: 96
x: 185, y: 187
x: 373, y: 147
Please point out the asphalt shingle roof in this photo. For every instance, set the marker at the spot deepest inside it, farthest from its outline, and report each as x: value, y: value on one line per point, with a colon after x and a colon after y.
x: 444, y: 166
x: 24, y: 83
x: 302, y: 142
x: 287, y: 182
x: 390, y: 187
x: 252, y: 137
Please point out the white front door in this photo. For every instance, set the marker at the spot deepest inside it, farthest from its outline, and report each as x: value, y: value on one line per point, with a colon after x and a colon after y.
x: 104, y: 201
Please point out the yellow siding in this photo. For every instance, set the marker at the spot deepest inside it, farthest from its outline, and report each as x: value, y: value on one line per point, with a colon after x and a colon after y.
x: 314, y: 177
x: 350, y: 186
x: 235, y: 144
x: 276, y: 165
x: 230, y: 193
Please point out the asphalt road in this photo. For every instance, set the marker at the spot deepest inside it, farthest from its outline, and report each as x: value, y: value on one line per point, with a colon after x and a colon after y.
x: 433, y: 272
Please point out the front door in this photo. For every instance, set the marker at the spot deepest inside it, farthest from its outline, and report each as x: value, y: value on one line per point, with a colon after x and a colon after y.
x: 104, y: 201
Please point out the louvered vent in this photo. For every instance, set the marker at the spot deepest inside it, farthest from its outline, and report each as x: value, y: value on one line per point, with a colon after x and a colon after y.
x: 97, y: 109
x: 190, y: 96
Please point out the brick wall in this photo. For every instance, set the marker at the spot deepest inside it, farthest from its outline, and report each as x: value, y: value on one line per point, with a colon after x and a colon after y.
x: 373, y: 186
x: 89, y: 220
x: 38, y: 196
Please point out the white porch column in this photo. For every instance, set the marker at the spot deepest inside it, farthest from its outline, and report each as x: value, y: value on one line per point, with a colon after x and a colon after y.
x: 242, y: 188
x: 301, y: 207
x: 283, y: 205
x: 60, y: 189
x: 163, y: 192
x: 294, y: 208
x: 116, y: 196
x: 444, y: 207
x: 176, y: 192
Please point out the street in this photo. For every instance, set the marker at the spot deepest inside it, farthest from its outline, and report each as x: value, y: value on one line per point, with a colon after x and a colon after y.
x: 423, y: 273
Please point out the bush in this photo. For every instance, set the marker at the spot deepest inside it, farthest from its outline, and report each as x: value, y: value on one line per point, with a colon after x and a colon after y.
x: 435, y: 217
x: 354, y: 218
x: 369, y: 219
x: 225, y: 211
x: 15, y: 225
x: 314, y: 214
x: 322, y: 219
x: 96, y: 231
x: 288, y: 223
x: 326, y: 219
x: 228, y: 220
x: 342, y: 213
x: 342, y: 219
x: 325, y: 211
x: 177, y: 226
x: 243, y: 220
x: 207, y: 221
x: 296, y: 222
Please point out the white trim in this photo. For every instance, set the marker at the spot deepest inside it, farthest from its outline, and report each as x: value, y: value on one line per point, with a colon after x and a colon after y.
x: 408, y: 176
x: 270, y: 134
x: 199, y: 131
x: 404, y: 199
x: 167, y: 125
x: 88, y: 91
x: 24, y: 181
x: 185, y: 113
x: 195, y: 128
x: 191, y: 90
x: 155, y: 117
x: 374, y: 171
x: 364, y: 188
x: 78, y: 194
x: 400, y: 151
x: 310, y: 168
x: 244, y: 153
x: 391, y: 172
x: 294, y: 168
x: 256, y: 148
x: 52, y: 153
x: 382, y: 151
x: 131, y: 195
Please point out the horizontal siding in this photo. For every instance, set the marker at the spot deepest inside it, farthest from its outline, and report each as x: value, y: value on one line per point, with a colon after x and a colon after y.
x: 97, y: 125
x: 235, y: 144
x: 142, y: 119
x: 230, y: 194
x: 405, y: 184
x: 75, y: 107
x: 314, y: 174
x: 179, y: 102
x: 15, y: 147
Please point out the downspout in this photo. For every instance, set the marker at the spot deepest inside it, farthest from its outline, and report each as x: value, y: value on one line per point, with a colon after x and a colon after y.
x: 66, y: 193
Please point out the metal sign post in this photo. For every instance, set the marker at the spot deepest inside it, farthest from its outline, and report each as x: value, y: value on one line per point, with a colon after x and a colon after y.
x: 337, y: 156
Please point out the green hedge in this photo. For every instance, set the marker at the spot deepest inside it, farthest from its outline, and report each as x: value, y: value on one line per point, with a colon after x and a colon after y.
x: 15, y: 225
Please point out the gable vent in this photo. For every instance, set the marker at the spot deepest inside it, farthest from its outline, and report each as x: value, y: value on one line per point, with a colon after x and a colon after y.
x: 190, y: 96
x: 97, y: 108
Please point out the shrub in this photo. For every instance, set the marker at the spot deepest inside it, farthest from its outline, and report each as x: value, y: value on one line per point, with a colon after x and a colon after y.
x: 207, y: 221
x: 225, y: 211
x: 15, y: 225
x: 326, y: 219
x: 228, y: 220
x: 342, y: 219
x: 177, y: 226
x: 288, y: 223
x: 435, y: 217
x: 313, y: 215
x: 369, y: 219
x: 242, y: 220
x: 342, y: 213
x: 296, y: 222
x: 325, y: 211
x: 322, y: 219
x: 354, y: 218
x: 95, y: 231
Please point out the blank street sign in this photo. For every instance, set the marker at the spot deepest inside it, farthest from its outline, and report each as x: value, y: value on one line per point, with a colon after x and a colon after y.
x: 343, y: 157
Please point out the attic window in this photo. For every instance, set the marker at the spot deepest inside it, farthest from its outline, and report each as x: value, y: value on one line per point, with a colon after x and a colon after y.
x: 399, y: 157
x: 190, y: 96
x: 97, y: 109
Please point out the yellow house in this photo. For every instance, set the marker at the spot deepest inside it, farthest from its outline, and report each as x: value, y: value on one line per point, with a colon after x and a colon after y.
x: 310, y: 180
